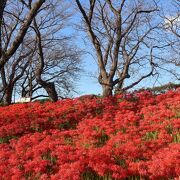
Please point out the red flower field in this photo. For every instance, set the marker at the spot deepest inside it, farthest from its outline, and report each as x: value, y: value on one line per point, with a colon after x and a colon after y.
x: 133, y: 136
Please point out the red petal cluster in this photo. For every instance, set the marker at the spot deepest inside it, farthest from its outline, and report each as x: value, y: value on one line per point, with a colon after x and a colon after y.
x: 127, y: 136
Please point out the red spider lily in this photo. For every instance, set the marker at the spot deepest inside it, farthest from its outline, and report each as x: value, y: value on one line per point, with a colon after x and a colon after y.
x: 126, y: 136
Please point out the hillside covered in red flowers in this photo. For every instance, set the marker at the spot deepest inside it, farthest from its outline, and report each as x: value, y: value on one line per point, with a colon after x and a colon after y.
x: 132, y: 136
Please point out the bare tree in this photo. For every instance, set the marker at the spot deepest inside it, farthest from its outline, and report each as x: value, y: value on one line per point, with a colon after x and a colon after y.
x: 119, y: 31
x: 14, y: 68
x: 44, y: 58
x: 56, y: 61
x: 12, y: 72
x: 47, y: 26
x: 14, y: 55
x: 8, y: 52
x: 139, y: 51
x: 61, y: 66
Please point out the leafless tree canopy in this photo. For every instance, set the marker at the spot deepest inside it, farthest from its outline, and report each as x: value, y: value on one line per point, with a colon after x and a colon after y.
x: 127, y: 38
x: 40, y: 57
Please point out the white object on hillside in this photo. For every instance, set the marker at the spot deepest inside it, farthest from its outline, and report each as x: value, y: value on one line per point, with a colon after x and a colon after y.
x: 23, y: 99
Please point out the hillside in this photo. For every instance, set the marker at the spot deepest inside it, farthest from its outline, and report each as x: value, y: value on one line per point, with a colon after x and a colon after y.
x: 134, y: 136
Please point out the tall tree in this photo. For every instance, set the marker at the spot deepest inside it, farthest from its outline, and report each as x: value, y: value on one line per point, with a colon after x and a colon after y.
x: 12, y: 72
x: 55, y: 64
x: 14, y: 54
x: 126, y: 38
x: 46, y: 56
x: 47, y: 27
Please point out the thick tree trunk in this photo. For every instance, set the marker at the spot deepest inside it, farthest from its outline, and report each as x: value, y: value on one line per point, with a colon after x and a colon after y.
x: 8, y: 95
x: 107, y: 90
x: 50, y: 89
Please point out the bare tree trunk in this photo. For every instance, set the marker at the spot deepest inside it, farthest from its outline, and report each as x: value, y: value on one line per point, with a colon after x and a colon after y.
x: 50, y: 89
x: 107, y: 90
x: 48, y: 86
x: 2, y: 6
x: 8, y: 95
